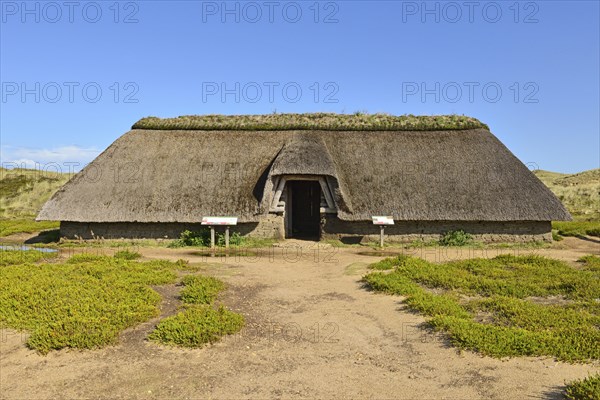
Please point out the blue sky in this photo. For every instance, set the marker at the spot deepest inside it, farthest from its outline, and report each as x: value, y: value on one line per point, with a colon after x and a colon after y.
x: 76, y: 76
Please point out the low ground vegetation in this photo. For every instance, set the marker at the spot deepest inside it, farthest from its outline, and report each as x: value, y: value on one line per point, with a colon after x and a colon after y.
x: 200, y: 322
x: 577, y: 228
x: 17, y: 257
x: 505, y: 306
x: 83, y: 303
x: 86, y: 301
x: 127, y: 255
x: 24, y: 225
x: 584, y: 389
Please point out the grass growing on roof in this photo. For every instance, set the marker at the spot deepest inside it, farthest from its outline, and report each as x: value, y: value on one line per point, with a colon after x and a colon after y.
x: 314, y: 121
x: 82, y: 303
x: 507, y: 289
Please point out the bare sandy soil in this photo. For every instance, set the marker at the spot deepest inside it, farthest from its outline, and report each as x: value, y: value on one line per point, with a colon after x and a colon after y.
x: 312, y: 331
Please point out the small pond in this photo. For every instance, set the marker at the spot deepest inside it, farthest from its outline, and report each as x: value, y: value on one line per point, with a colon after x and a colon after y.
x: 26, y: 248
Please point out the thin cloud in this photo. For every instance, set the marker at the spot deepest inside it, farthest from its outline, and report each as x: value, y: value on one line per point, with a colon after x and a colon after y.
x: 70, y: 158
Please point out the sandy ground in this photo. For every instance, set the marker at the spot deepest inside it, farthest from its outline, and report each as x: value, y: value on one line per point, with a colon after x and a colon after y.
x: 312, y: 331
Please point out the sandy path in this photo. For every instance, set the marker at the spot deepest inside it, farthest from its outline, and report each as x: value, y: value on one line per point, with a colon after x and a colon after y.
x: 313, y: 332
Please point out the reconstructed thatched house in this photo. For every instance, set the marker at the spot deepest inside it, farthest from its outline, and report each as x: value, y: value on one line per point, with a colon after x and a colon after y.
x: 307, y: 175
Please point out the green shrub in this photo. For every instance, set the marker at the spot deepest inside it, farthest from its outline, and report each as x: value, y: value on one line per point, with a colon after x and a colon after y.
x: 200, y: 289
x: 202, y: 239
x: 127, y: 255
x: 197, y: 326
x: 584, y: 389
x: 189, y: 238
x: 456, y: 238
x: 235, y: 239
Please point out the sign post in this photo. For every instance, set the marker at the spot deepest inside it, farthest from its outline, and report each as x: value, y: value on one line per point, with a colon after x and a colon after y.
x: 221, y: 221
x: 382, y: 221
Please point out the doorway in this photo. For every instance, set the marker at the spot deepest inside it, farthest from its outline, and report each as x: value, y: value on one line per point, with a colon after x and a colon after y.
x: 305, y: 209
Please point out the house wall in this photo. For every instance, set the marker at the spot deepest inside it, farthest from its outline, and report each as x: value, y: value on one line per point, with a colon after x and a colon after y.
x: 408, y: 231
x: 272, y: 225
x: 269, y: 226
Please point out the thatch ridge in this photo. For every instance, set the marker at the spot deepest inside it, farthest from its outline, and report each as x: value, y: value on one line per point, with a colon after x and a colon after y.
x: 312, y: 121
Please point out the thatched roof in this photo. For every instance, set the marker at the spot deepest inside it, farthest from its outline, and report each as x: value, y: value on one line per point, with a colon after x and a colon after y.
x: 182, y: 175
x: 304, y: 154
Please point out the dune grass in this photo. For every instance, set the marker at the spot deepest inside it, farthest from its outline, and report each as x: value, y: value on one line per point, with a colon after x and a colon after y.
x: 23, y: 192
x: 580, y: 193
x: 506, y: 290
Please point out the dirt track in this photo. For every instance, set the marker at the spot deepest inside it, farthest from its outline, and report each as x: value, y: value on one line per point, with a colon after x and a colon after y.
x: 312, y: 332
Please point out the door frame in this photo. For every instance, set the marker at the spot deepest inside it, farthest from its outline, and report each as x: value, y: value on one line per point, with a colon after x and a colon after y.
x: 289, y: 206
x: 280, y: 186
x: 286, y: 208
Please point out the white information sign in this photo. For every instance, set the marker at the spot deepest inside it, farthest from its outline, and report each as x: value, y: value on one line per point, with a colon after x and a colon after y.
x: 219, y: 221
x: 383, y: 220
